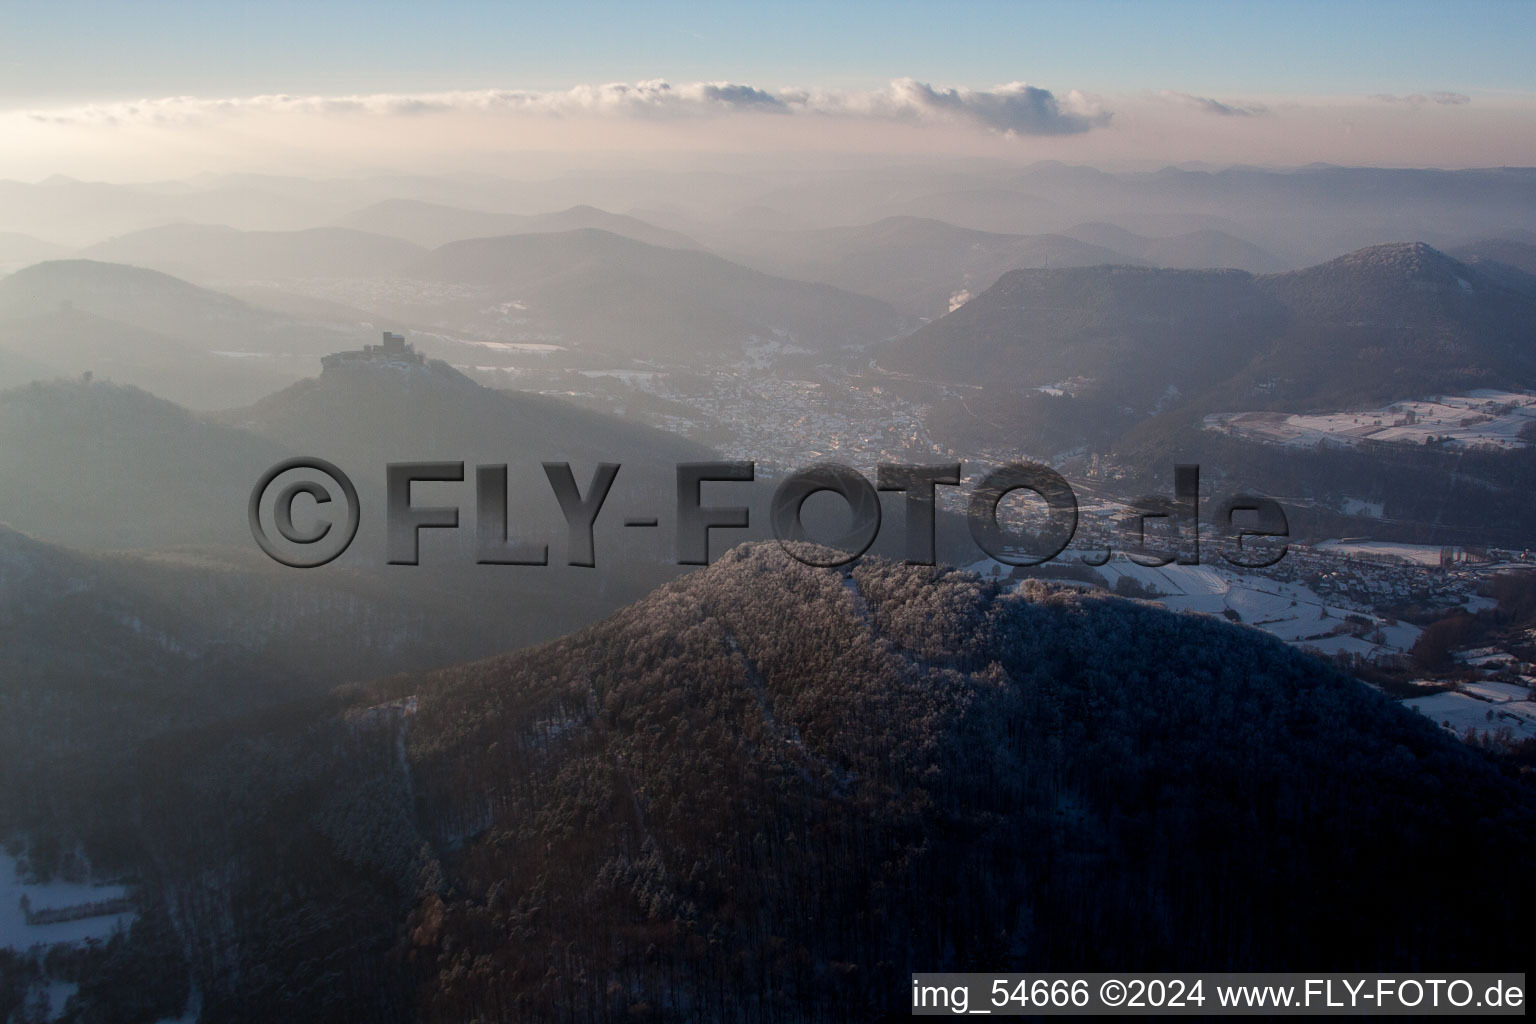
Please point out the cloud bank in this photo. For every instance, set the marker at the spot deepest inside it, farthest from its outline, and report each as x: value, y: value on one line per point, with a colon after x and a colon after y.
x: 491, y: 130
x: 1012, y: 109
x: 1015, y: 108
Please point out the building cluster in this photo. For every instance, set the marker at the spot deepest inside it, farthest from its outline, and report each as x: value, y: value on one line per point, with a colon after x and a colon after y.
x: 1387, y: 583
x: 394, y: 349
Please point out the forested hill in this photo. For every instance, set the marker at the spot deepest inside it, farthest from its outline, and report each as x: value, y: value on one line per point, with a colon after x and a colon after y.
x: 1381, y: 324
x: 768, y: 792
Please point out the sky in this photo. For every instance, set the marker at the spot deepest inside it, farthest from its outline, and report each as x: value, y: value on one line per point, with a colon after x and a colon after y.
x: 118, y: 90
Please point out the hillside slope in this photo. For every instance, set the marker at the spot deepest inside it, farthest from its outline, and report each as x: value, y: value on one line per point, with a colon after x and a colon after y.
x: 1128, y: 345
x: 596, y: 290
x: 772, y: 791
x: 1396, y: 321
x: 97, y: 464
x: 104, y: 651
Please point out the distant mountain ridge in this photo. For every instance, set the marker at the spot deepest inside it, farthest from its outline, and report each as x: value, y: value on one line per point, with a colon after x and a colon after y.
x: 18, y: 250
x: 1397, y: 321
x: 198, y: 318
x: 143, y: 327
x: 82, y: 212
x: 1509, y: 262
x: 368, y: 408
x: 1193, y: 250
x: 920, y: 265
x: 69, y: 342
x: 1513, y: 252
x: 597, y: 290
x: 434, y: 224
x: 206, y: 252
x: 1387, y: 322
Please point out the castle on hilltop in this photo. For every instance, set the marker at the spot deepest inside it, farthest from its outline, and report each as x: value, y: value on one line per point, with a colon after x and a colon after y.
x: 393, y: 349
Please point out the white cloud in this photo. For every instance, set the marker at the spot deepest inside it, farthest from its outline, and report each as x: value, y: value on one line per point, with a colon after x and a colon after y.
x: 1012, y: 109
x: 494, y: 129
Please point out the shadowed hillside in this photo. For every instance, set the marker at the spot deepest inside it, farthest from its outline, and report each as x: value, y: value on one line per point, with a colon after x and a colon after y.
x: 1395, y: 320
x: 104, y: 651
x: 770, y: 791
x: 97, y: 464
x: 364, y: 415
x: 1114, y: 347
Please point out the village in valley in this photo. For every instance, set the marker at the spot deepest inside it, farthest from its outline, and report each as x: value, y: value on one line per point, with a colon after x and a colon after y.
x: 1359, y: 602
x: 1367, y: 607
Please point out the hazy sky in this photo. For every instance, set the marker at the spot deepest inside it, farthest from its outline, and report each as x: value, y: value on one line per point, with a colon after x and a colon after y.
x: 125, y: 90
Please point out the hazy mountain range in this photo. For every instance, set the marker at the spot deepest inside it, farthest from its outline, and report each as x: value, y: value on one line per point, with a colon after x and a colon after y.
x: 143, y: 327
x: 1388, y: 322
x: 916, y: 264
x: 433, y: 224
x: 206, y: 252
x: 1192, y: 250
x: 755, y: 791
x: 1302, y: 214
x: 597, y: 290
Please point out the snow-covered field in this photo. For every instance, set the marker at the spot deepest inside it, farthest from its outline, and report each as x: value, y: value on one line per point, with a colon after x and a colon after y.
x: 1499, y: 693
x: 1485, y: 417
x: 1290, y: 611
x: 1390, y: 551
x: 1486, y: 657
x: 17, y: 934
x: 638, y: 379
x: 1459, y: 712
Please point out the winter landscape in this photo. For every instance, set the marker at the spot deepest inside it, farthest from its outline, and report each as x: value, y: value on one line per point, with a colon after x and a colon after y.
x: 1266, y: 706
